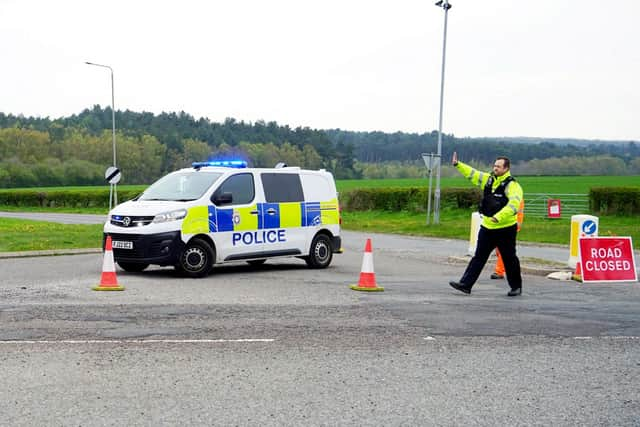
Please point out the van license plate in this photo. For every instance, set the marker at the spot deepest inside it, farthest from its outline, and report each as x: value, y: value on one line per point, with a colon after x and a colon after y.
x: 118, y: 244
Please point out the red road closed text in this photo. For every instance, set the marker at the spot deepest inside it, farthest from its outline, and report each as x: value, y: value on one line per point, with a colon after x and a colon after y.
x: 607, y: 265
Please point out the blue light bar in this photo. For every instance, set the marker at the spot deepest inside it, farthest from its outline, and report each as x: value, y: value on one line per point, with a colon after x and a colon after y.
x: 221, y: 163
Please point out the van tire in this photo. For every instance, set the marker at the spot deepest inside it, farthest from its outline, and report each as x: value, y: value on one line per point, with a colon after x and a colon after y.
x: 132, y: 267
x: 196, y: 260
x: 320, y: 253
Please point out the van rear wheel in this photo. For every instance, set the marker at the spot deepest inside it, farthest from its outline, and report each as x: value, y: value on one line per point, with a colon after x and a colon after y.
x: 320, y: 253
x: 197, y: 258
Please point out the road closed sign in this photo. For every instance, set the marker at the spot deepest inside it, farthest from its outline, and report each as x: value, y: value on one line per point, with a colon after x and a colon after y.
x: 607, y: 259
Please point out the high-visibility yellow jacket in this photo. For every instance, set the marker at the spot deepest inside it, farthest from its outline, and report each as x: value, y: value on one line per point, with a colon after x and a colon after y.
x: 507, y: 216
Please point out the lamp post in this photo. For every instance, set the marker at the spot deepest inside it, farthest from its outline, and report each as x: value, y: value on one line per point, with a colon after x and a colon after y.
x: 436, y: 199
x: 114, y: 191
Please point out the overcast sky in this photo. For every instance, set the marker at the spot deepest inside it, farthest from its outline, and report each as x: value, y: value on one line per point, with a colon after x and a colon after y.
x: 548, y: 68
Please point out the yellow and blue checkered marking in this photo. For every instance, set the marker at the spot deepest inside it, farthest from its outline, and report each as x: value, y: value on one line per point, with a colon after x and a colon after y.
x: 261, y: 216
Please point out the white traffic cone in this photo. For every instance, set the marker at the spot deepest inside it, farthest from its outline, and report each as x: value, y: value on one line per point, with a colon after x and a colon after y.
x: 108, y: 280
x: 367, y: 280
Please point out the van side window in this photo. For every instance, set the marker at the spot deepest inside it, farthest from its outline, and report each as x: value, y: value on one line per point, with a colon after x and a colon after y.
x: 240, y: 186
x: 282, y: 187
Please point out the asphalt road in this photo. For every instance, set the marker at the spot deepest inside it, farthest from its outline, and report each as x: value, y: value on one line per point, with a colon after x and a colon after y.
x: 284, y: 345
x: 62, y: 218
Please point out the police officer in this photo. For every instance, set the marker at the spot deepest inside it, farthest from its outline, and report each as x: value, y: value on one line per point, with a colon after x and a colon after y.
x: 500, y: 204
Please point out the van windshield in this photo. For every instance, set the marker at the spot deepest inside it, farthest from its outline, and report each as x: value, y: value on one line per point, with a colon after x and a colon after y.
x: 181, y: 186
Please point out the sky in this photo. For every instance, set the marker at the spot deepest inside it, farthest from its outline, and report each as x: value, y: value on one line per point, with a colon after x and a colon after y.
x: 538, y: 68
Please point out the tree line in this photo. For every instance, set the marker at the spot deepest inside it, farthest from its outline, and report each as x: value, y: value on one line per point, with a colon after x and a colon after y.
x: 376, y: 147
x: 76, y: 150
x: 30, y: 158
x: 598, y: 165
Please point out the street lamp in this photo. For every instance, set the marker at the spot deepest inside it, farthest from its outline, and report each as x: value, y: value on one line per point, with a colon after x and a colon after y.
x: 436, y: 199
x: 113, y: 191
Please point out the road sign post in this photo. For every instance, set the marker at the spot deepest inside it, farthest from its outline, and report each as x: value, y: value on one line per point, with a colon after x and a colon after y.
x: 112, y: 175
x: 431, y: 161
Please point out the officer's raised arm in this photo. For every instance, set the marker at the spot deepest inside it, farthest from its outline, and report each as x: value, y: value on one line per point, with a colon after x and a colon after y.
x: 454, y: 158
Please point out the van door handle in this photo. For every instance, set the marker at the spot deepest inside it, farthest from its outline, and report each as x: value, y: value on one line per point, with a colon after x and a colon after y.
x: 271, y: 211
x: 254, y: 212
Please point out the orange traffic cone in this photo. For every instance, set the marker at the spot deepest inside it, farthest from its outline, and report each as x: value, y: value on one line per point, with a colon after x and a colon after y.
x: 577, y: 276
x: 367, y: 280
x: 108, y: 280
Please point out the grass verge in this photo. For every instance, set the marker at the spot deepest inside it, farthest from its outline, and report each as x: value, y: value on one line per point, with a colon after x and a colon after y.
x: 456, y: 224
x: 24, y: 235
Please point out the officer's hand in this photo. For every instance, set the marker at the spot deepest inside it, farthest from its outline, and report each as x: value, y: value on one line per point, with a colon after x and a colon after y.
x: 454, y: 158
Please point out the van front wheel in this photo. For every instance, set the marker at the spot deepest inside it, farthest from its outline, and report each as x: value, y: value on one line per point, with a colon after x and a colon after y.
x: 320, y: 253
x: 197, y: 258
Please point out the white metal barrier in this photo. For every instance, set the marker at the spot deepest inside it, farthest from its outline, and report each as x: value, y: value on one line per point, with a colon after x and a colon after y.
x: 571, y: 204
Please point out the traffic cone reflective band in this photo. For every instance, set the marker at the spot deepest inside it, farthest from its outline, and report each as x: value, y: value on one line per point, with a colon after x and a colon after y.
x: 367, y: 280
x: 108, y: 280
x: 577, y: 276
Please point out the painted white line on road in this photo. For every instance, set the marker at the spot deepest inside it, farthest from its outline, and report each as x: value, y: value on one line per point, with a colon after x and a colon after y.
x: 620, y: 337
x: 203, y: 341
x: 609, y: 337
x: 429, y: 339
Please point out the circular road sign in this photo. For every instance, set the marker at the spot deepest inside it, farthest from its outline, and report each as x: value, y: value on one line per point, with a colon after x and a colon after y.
x: 589, y: 227
x: 112, y: 175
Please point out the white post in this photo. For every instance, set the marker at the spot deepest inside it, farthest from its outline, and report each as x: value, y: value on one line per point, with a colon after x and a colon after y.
x: 428, y: 162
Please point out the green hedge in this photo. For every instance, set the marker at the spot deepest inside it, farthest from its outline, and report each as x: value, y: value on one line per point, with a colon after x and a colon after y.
x: 615, y: 200
x: 63, y: 198
x: 602, y: 200
x: 412, y: 199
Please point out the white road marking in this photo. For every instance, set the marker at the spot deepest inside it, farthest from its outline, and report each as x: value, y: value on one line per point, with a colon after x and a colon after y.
x: 619, y: 337
x: 201, y: 341
x: 609, y: 337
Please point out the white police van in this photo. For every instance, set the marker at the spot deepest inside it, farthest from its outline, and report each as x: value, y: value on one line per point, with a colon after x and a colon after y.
x: 219, y: 212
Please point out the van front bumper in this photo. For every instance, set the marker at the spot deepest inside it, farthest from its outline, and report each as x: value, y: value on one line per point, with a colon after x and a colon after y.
x: 160, y: 248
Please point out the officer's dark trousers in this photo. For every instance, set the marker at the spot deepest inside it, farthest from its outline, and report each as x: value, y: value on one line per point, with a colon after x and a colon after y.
x: 505, y: 240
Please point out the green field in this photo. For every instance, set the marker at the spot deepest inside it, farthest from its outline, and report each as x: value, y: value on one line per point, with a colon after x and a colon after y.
x: 530, y: 184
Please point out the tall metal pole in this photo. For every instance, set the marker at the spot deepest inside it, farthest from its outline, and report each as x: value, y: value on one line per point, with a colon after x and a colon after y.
x: 436, y: 200
x: 114, y: 190
x: 113, y: 136
x: 113, y: 118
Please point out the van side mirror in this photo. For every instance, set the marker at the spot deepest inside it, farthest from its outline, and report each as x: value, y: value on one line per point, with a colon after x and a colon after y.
x: 222, y: 199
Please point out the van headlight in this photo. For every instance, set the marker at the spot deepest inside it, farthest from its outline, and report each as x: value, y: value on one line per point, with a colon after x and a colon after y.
x: 170, y: 216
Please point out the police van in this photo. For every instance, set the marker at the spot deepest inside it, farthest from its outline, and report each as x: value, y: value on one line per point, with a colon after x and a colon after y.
x: 220, y: 212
